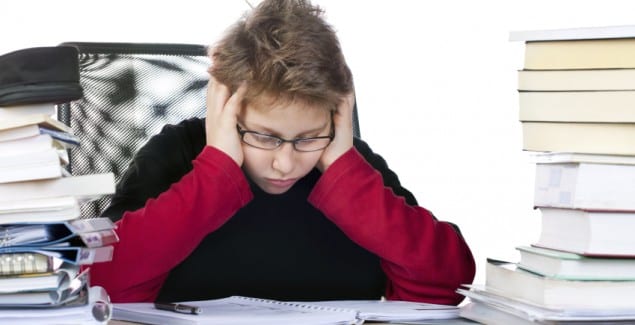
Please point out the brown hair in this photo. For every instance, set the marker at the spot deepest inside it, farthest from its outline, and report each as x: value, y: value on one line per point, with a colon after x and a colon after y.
x: 286, y: 49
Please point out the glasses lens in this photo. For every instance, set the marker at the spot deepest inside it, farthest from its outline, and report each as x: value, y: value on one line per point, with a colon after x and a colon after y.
x: 311, y: 144
x: 261, y: 140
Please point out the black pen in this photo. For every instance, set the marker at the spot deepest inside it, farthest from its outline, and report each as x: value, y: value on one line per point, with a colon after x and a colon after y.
x: 178, y: 308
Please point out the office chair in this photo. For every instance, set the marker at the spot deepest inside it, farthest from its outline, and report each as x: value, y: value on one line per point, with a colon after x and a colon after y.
x: 131, y: 90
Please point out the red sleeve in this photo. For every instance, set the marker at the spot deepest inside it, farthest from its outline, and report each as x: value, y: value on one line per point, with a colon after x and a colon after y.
x: 424, y: 259
x: 157, y: 237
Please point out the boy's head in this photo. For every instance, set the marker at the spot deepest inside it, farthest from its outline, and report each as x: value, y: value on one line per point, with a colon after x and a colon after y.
x: 284, y: 49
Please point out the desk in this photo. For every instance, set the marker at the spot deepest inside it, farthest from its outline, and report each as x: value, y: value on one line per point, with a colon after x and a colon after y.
x: 458, y: 321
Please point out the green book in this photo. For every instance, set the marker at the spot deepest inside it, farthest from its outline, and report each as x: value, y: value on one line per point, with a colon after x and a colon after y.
x: 569, y: 266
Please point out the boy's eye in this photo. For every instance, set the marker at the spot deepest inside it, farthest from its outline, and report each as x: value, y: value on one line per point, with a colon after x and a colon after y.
x: 265, y: 139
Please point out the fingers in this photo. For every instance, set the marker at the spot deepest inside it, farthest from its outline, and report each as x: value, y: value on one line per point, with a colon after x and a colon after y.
x: 343, y: 117
x: 234, y: 103
x: 343, y: 141
x: 217, y: 96
x: 222, y: 115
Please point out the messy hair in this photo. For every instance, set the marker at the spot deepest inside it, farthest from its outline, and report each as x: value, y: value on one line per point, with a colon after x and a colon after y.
x: 286, y: 49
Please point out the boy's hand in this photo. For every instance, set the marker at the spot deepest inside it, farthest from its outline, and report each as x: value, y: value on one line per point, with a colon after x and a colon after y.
x: 221, y: 119
x: 343, y: 125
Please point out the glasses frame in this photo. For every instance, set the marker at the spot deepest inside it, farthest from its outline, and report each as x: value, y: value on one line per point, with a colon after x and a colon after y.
x: 281, y: 141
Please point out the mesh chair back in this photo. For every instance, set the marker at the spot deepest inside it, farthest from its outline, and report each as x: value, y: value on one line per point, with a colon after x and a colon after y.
x: 131, y: 90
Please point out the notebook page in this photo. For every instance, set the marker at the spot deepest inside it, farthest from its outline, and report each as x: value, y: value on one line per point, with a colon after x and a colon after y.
x: 239, y: 310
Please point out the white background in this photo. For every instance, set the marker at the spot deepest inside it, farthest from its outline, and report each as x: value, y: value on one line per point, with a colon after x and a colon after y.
x: 435, y: 85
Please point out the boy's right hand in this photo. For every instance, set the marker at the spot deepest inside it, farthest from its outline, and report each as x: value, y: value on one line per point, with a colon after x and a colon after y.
x: 221, y: 119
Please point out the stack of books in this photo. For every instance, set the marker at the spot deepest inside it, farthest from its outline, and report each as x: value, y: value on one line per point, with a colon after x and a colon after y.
x: 577, y: 110
x: 45, y: 247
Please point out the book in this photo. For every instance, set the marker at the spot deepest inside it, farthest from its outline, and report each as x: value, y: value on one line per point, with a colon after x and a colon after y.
x: 7, y: 112
x: 569, y: 266
x: 493, y: 315
x: 33, y: 165
x: 11, y: 160
x: 91, y: 306
x: 589, y: 233
x: 595, y: 138
x: 58, y: 280
x: 615, y: 53
x: 248, y: 310
x: 505, y: 279
x: 53, y: 209
x: 32, y: 144
x: 581, y: 106
x: 576, y: 157
x: 490, y: 308
x: 90, y: 232
x: 83, y: 187
x: 42, y: 120
x: 584, y: 185
x: 68, y: 292
x: 577, y: 33
x: 70, y: 254
x: 25, y: 263
x: 576, y: 80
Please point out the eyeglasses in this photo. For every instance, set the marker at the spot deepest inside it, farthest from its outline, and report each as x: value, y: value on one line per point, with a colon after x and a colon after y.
x: 271, y: 142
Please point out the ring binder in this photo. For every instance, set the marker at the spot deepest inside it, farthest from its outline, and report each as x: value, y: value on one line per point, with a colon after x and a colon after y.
x: 21, y: 263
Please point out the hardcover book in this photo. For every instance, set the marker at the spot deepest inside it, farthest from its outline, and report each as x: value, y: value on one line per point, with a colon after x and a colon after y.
x: 589, y: 233
x: 569, y: 266
x: 505, y: 279
x: 590, y: 186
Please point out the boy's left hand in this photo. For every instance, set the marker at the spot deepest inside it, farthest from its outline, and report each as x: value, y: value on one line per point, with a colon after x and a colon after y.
x: 343, y: 125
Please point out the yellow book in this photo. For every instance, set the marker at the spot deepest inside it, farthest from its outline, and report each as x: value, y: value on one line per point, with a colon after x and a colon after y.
x: 576, y: 80
x: 581, y: 54
x: 577, y: 106
x: 595, y: 138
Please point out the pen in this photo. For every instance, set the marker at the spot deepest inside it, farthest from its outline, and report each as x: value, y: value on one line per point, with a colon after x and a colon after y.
x: 178, y: 308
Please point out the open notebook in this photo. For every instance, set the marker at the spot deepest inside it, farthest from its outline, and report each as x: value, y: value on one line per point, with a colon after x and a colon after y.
x: 245, y: 310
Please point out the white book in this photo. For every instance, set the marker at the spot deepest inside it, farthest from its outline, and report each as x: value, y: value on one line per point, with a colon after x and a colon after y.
x: 591, y: 233
x: 587, y: 186
x: 33, y: 165
x: 83, y: 187
x: 8, y: 112
x: 601, y: 32
x: 47, y: 155
x: 94, y: 307
x: 51, y: 209
x: 576, y: 157
x: 58, y: 280
x: 490, y: 308
x: 31, y: 144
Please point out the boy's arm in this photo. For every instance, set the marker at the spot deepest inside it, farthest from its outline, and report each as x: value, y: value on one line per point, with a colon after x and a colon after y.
x: 162, y: 233
x: 423, y: 258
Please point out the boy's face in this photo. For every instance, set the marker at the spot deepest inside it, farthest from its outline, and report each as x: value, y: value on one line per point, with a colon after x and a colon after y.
x: 276, y: 171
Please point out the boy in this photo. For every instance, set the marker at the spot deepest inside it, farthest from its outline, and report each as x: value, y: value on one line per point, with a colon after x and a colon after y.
x: 270, y: 196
